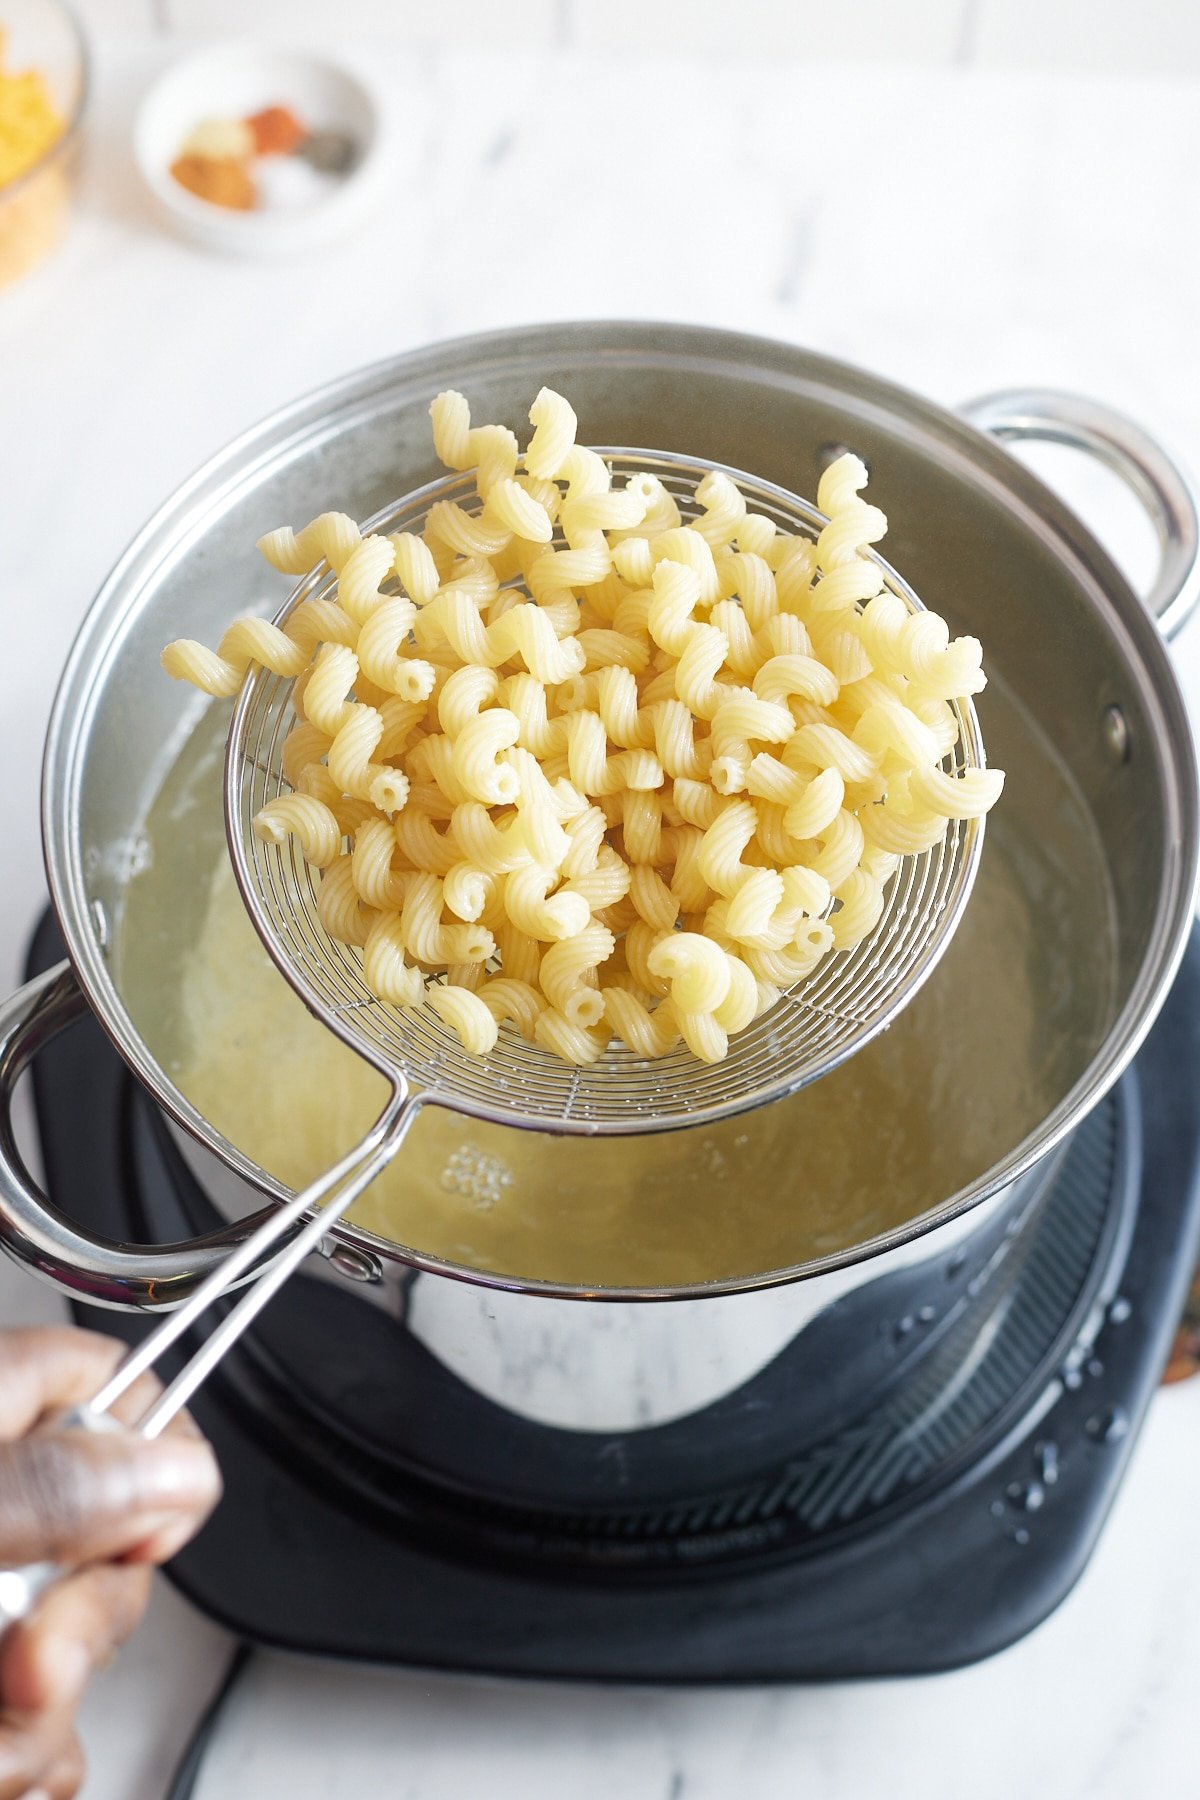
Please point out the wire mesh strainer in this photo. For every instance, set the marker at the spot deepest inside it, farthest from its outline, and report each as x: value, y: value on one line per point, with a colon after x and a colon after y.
x: 849, y: 998
x: 825, y: 1018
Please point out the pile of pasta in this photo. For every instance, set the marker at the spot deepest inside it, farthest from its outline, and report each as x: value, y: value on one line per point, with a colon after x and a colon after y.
x: 572, y: 764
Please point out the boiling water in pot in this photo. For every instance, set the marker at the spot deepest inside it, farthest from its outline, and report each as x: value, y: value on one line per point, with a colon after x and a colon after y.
x: 999, y: 1034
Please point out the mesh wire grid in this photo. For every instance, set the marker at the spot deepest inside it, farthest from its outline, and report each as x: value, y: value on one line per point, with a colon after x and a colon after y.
x: 825, y: 1018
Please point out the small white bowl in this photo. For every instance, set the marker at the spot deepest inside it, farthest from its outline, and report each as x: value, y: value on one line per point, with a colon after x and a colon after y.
x: 233, y: 81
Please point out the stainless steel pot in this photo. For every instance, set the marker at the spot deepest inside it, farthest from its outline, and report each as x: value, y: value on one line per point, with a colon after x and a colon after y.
x: 981, y: 539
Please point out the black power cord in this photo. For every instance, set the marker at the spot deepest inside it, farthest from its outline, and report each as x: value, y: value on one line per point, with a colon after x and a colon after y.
x: 182, y: 1784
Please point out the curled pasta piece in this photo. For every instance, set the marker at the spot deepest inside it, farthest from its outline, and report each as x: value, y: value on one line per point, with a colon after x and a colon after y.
x: 378, y: 882
x: 332, y: 676
x: 653, y: 899
x: 752, y: 580
x: 641, y: 815
x: 966, y: 796
x: 794, y: 574
x: 782, y: 676
x: 332, y: 537
x: 647, y: 1034
x: 605, y: 884
x: 424, y: 846
x: 451, y: 416
x: 748, y: 917
x: 904, y: 834
x: 467, y: 1016
x: 304, y: 744
x: 735, y: 723
x: 741, y: 1003
x: 517, y: 511
x: 494, y: 454
x: 464, y: 695
x: 676, y: 596
x: 720, y: 852
x: 513, y: 1002
x: 312, y: 824
x: 555, y: 425
x: 466, y: 891
x: 683, y: 544
x: 339, y: 908
x: 320, y: 620
x: 525, y: 631
x: 385, y: 970
x: 613, y: 509
x: 428, y: 939
x: 826, y: 747
x: 704, y: 1036
x: 841, y: 849
x: 573, y: 1043
x: 862, y: 900
x: 476, y: 749
x: 694, y: 677
x: 525, y: 696
x: 221, y: 672
x: 416, y: 569
x: 555, y: 572
x: 696, y: 968
x: 895, y: 731
x: 540, y: 914
x: 493, y: 848
x: 465, y: 533
x: 368, y: 564
x: 569, y: 967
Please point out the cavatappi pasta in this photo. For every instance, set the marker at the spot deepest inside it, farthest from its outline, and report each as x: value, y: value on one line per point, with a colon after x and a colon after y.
x: 573, y: 767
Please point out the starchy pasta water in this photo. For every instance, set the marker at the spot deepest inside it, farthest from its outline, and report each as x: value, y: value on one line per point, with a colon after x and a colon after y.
x: 574, y: 766
x: 925, y: 1108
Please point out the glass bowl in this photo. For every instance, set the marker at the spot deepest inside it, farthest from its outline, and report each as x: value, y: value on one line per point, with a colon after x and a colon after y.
x: 46, y: 36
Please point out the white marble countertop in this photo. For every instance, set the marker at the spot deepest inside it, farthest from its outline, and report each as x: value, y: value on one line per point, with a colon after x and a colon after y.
x: 957, y: 231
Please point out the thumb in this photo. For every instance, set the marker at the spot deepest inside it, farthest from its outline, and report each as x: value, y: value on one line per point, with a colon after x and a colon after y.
x: 75, y: 1497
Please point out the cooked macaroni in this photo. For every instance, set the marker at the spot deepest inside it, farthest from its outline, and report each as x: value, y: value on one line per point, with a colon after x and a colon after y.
x: 572, y: 767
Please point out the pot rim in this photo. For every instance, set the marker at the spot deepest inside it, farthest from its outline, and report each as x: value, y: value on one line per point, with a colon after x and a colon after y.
x: 335, y: 405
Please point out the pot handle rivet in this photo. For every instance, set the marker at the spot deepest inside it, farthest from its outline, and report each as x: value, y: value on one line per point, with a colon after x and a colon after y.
x: 1116, y: 734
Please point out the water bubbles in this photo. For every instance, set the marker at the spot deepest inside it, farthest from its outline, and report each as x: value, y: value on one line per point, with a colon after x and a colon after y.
x: 1020, y: 1536
x: 1047, y: 1461
x: 926, y: 1315
x: 476, y: 1176
x: 1095, y: 1367
x: 1119, y: 1311
x: 1072, y: 1378
x: 1109, y: 1426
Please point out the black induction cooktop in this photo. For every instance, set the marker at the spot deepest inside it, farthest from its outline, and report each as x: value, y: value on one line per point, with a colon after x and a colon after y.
x: 378, y: 1508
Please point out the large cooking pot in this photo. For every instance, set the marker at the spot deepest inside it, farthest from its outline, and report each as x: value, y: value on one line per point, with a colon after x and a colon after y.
x: 1100, y: 814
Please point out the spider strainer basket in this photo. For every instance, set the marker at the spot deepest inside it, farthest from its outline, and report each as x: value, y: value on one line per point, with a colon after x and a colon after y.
x: 825, y: 1018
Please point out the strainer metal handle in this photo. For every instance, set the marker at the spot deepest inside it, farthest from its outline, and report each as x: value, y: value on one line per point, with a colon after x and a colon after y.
x: 338, y: 1188
x: 1162, y: 484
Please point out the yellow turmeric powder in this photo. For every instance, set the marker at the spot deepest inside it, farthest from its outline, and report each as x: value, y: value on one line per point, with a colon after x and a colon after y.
x: 29, y: 123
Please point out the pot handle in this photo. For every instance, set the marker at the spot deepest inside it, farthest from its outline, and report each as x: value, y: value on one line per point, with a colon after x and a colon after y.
x: 1165, y: 489
x: 35, y: 1233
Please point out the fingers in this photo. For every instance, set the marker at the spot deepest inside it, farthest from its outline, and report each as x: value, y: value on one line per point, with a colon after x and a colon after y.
x: 47, y: 1659
x: 64, y: 1780
x: 44, y: 1371
x: 48, y: 1369
x: 77, y: 1497
x: 40, y: 1758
